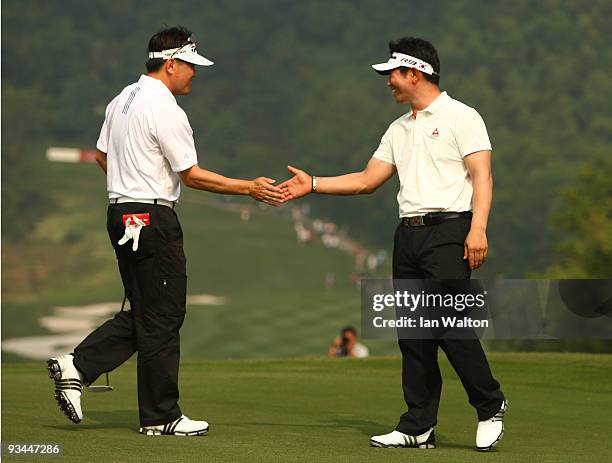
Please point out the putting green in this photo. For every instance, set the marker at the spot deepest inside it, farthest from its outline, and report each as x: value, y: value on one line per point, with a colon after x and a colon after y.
x: 315, y: 409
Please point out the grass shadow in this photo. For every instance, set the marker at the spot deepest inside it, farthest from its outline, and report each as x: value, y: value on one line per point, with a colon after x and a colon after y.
x: 367, y: 428
x: 117, y: 419
x: 443, y: 443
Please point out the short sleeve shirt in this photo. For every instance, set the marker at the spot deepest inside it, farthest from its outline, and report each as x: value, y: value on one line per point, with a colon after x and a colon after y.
x: 147, y: 139
x: 428, y: 151
x: 360, y: 351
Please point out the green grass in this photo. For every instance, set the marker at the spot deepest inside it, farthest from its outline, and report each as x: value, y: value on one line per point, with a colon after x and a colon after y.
x: 316, y: 409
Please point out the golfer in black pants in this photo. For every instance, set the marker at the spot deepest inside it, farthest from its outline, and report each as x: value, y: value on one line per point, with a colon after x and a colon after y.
x: 146, y: 148
x: 436, y: 252
x: 155, y: 280
x: 441, y: 153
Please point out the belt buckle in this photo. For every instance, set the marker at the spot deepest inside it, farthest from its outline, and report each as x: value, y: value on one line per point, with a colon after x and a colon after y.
x: 416, y: 221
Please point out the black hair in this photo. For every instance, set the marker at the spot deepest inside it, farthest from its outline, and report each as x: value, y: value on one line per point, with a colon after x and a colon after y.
x: 421, y: 49
x: 171, y: 37
x: 349, y: 329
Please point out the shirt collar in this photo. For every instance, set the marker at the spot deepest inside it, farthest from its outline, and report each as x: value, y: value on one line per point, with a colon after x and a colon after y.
x: 156, y: 83
x: 436, y: 104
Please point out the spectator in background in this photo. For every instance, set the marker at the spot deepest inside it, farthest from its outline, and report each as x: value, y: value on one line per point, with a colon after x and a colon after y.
x: 347, y: 345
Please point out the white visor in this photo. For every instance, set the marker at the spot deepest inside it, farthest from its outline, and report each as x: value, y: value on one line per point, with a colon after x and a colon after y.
x: 186, y: 52
x: 400, y: 60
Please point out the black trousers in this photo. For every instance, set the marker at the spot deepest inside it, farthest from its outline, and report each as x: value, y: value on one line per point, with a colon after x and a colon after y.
x: 436, y: 252
x: 155, y: 282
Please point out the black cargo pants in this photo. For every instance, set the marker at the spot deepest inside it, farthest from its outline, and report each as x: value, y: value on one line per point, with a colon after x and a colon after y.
x: 154, y: 278
x: 436, y: 252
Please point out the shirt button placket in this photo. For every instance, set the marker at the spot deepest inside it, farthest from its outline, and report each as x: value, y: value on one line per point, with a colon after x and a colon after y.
x: 417, y: 135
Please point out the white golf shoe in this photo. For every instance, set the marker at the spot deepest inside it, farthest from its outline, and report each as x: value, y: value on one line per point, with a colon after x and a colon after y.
x: 68, y: 386
x: 491, y: 431
x: 182, y: 426
x: 396, y: 439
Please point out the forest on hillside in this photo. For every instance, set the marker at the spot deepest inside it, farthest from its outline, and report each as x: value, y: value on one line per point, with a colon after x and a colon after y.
x: 292, y: 84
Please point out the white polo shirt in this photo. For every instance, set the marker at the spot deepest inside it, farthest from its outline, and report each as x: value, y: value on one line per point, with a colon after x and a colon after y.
x: 147, y: 138
x: 428, y: 153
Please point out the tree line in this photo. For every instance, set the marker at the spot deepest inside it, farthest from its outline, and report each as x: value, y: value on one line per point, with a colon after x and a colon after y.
x: 292, y: 83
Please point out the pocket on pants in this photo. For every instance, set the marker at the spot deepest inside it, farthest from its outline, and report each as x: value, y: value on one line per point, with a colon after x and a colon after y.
x: 451, y: 232
x: 171, y: 259
x: 148, y: 239
x: 173, y: 295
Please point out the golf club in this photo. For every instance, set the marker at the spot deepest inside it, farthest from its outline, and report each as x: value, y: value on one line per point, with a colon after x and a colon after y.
x: 107, y: 387
x: 101, y: 388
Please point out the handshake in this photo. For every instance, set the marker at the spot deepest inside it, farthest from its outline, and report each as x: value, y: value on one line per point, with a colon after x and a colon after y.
x: 263, y: 189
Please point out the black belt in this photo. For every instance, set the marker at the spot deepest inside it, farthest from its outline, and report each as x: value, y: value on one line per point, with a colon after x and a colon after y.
x: 433, y: 218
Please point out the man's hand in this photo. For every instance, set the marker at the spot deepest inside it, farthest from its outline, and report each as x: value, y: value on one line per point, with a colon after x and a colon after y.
x: 263, y: 189
x: 297, y: 186
x: 333, y: 348
x: 476, y: 248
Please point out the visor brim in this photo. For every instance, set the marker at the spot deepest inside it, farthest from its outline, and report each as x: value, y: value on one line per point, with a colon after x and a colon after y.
x: 384, y: 69
x: 195, y: 58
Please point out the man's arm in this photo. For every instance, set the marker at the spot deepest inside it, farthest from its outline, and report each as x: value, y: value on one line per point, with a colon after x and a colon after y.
x: 367, y: 181
x: 101, y: 159
x: 261, y: 189
x: 476, y: 247
x: 333, y: 348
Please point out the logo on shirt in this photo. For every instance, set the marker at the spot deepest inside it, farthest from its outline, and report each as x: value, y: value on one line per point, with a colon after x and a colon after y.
x: 435, y: 133
x: 127, y: 104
